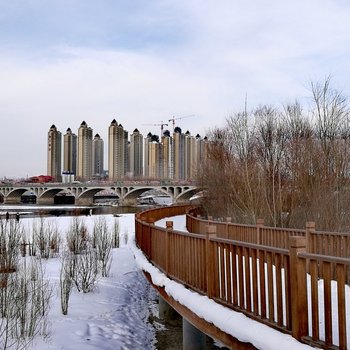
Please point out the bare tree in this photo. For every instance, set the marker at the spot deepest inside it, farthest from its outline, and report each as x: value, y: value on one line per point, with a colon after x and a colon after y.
x: 25, y: 301
x: 85, y: 270
x: 103, y: 240
x: 77, y: 236
x: 66, y: 281
x: 299, y: 161
x: 288, y: 167
x: 45, y: 238
x: 10, y: 235
x: 331, y: 114
x: 116, y: 233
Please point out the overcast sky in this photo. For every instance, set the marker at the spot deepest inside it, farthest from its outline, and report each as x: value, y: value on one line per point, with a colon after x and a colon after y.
x: 145, y: 61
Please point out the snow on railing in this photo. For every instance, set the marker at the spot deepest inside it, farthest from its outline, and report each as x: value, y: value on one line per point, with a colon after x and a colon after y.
x: 277, y: 283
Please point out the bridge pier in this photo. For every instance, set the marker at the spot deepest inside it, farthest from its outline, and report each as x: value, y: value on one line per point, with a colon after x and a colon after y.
x: 166, y: 312
x: 45, y: 201
x: 12, y: 200
x: 192, y: 338
x: 84, y: 201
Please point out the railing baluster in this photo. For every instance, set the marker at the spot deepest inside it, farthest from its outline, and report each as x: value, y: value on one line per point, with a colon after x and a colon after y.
x: 314, y: 299
x: 327, y: 303
x: 341, y: 272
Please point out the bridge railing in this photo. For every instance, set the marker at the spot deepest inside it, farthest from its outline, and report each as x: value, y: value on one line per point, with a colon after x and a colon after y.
x: 278, y: 286
x: 318, y: 242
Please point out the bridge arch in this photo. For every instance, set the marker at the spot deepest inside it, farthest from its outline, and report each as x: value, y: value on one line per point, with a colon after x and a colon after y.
x: 90, y: 192
x: 186, y: 194
x: 86, y: 196
x: 14, y: 195
x: 134, y: 193
x: 48, y: 196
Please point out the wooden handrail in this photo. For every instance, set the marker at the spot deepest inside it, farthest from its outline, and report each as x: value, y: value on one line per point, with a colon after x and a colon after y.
x: 262, y: 272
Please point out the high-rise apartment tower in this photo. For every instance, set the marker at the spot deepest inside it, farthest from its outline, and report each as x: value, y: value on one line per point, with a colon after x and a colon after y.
x: 97, y: 156
x: 116, y: 151
x: 136, y: 154
x: 84, y: 169
x: 54, y: 146
x: 70, y: 153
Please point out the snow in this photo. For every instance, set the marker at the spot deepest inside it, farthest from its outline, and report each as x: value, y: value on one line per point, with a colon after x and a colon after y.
x: 115, y: 315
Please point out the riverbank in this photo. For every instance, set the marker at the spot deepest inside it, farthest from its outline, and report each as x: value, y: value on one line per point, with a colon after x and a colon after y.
x: 122, y: 311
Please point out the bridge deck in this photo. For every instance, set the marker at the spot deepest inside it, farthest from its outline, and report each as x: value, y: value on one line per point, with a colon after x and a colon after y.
x: 83, y: 193
x: 265, y: 282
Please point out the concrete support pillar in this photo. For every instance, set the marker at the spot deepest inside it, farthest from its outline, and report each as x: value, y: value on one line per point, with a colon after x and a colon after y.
x: 84, y: 201
x: 166, y: 312
x: 192, y: 338
x: 12, y: 200
x: 46, y: 201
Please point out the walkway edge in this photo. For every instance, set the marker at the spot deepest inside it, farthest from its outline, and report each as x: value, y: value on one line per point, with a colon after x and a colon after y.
x: 270, y: 339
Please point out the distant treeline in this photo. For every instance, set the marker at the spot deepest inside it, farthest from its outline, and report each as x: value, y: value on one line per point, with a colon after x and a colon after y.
x: 285, y: 165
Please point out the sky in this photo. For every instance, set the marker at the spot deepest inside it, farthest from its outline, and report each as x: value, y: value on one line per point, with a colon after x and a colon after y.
x: 146, y: 61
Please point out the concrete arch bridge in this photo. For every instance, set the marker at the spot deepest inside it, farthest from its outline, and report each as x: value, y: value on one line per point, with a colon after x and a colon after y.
x: 84, y: 193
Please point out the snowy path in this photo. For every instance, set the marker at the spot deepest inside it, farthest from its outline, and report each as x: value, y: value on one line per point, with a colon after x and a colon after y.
x: 114, y: 316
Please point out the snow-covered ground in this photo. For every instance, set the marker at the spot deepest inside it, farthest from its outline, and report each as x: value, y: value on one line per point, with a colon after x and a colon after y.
x: 115, y: 315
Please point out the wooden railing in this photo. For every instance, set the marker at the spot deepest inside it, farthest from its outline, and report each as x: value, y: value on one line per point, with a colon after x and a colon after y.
x: 318, y: 242
x: 272, y: 275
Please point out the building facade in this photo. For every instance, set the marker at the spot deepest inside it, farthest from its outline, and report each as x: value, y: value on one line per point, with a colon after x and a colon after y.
x: 179, y: 152
x: 154, y: 160
x: 167, y: 156
x: 70, y: 153
x: 97, y: 157
x: 84, y: 166
x: 136, y: 154
x: 116, y: 151
x: 54, y: 147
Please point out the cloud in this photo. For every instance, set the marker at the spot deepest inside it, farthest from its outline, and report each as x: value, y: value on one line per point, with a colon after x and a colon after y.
x: 67, y: 61
x: 96, y: 87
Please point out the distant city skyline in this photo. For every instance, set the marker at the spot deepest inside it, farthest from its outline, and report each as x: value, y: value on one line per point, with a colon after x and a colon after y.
x: 143, y: 62
x: 169, y: 156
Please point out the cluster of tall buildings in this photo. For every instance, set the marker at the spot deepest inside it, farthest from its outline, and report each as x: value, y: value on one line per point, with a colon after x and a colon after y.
x: 173, y: 157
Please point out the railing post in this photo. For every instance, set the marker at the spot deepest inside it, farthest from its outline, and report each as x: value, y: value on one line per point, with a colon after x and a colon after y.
x: 209, y: 261
x: 309, y: 230
x: 298, y: 292
x: 210, y: 219
x: 151, y: 222
x: 259, y: 225
x: 228, y: 221
x: 198, y: 224
x: 141, y: 234
x: 169, y: 228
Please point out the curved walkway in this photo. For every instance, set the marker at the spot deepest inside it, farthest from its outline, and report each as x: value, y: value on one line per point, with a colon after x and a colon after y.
x: 253, y: 279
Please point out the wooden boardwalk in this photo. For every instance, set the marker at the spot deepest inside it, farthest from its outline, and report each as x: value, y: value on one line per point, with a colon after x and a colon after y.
x: 272, y: 275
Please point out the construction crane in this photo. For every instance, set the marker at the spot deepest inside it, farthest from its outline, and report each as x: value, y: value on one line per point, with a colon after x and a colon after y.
x: 161, y: 124
x: 177, y: 118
